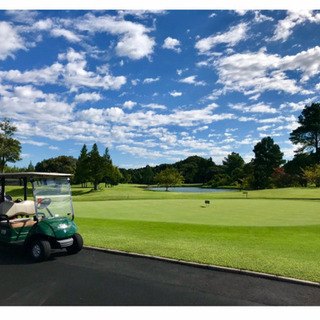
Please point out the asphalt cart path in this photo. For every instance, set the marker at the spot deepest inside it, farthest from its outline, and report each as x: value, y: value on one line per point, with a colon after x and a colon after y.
x: 95, y: 278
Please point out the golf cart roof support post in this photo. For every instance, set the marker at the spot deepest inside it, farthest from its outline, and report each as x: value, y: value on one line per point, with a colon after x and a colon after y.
x: 69, y: 187
x: 2, y: 188
x: 25, y: 189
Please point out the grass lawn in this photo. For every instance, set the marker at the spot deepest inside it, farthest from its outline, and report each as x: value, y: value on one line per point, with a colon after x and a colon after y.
x: 273, y: 236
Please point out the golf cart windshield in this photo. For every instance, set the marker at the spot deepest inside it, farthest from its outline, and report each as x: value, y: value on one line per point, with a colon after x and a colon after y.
x: 52, y: 198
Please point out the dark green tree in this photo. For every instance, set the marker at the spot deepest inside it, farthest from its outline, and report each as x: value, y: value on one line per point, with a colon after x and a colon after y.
x: 115, y: 176
x: 107, y: 156
x: 30, y: 167
x: 98, y: 167
x: 267, y: 157
x: 82, y: 172
x: 63, y: 164
x: 231, y: 162
x: 307, y: 135
x: 147, y: 177
x: 295, y: 167
x: 10, y: 148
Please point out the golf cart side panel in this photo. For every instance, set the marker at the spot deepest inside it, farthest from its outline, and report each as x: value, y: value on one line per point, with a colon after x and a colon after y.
x: 10, y: 235
x: 59, y: 228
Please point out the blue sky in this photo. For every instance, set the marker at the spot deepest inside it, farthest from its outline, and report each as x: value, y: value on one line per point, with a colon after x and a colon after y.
x: 156, y: 86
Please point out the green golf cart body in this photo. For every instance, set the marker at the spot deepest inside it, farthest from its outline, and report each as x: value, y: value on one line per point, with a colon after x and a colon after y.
x: 46, y: 222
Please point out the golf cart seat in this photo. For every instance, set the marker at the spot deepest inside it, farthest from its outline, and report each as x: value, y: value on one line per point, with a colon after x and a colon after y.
x: 11, y: 209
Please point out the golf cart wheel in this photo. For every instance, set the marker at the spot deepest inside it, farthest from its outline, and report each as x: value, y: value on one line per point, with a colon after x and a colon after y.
x: 40, y: 250
x: 77, y: 244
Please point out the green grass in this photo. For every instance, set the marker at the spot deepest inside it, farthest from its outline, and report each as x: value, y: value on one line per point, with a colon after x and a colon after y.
x: 233, y: 212
x: 273, y: 236
x: 286, y: 251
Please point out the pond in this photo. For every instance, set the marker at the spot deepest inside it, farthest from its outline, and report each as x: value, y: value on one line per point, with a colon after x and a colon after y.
x: 191, y: 189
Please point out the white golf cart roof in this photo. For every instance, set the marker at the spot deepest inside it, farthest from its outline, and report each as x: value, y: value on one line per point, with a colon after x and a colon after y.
x: 30, y: 175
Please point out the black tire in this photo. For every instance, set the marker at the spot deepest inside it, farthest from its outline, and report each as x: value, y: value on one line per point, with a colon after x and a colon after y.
x: 40, y: 250
x: 77, y: 244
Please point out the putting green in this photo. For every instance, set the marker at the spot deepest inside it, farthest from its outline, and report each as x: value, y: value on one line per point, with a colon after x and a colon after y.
x: 220, y: 212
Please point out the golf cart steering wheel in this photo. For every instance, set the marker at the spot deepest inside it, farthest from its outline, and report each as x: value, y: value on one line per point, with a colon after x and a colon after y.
x: 43, y: 203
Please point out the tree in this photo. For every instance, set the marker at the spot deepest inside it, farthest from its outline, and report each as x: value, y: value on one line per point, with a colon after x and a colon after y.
x: 233, y: 166
x: 196, y: 169
x: 168, y: 178
x: 280, y: 178
x: 9, y: 148
x: 115, y: 176
x: 30, y: 167
x: 107, y: 156
x: 82, y: 171
x: 148, y: 175
x: 231, y: 162
x: 63, y: 164
x: 308, y: 133
x: 97, y: 166
x: 294, y: 167
x: 267, y: 157
x: 312, y: 174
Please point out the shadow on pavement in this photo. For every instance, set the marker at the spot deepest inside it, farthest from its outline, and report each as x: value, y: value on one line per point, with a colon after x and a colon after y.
x: 17, y: 255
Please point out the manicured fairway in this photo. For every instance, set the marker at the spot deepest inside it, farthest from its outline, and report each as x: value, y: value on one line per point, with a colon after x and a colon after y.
x: 231, y: 212
x: 274, y: 236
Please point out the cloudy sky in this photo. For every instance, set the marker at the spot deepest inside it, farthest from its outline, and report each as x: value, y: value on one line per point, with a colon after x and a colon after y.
x: 156, y: 86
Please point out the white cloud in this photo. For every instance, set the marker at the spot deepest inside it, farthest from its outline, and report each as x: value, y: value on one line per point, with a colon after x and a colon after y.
x: 29, y: 104
x: 154, y: 106
x: 129, y: 104
x: 47, y: 75
x: 76, y: 75
x: 10, y: 41
x: 69, y: 35
x: 73, y: 74
x: 180, y: 71
x: 296, y: 106
x: 175, y: 93
x: 254, y: 73
x: 135, y: 82
x: 151, y: 119
x: 260, y: 108
x: 200, y: 129
x: 133, y: 42
x: 83, y: 97
x: 35, y: 143
x: 284, y: 27
x: 192, y: 80
x: 141, y: 152
x: 172, y: 44
x: 265, y: 128
x: 150, y: 80
x: 43, y: 24
x: 231, y: 38
x: 259, y: 17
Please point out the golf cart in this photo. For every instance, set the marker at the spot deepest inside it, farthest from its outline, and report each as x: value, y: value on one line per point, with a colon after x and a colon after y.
x: 41, y: 224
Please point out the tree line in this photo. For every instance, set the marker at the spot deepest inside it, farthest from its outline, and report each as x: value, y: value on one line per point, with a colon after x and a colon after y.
x: 267, y: 169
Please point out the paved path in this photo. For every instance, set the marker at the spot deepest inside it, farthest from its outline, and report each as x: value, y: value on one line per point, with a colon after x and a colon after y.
x: 93, y: 278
